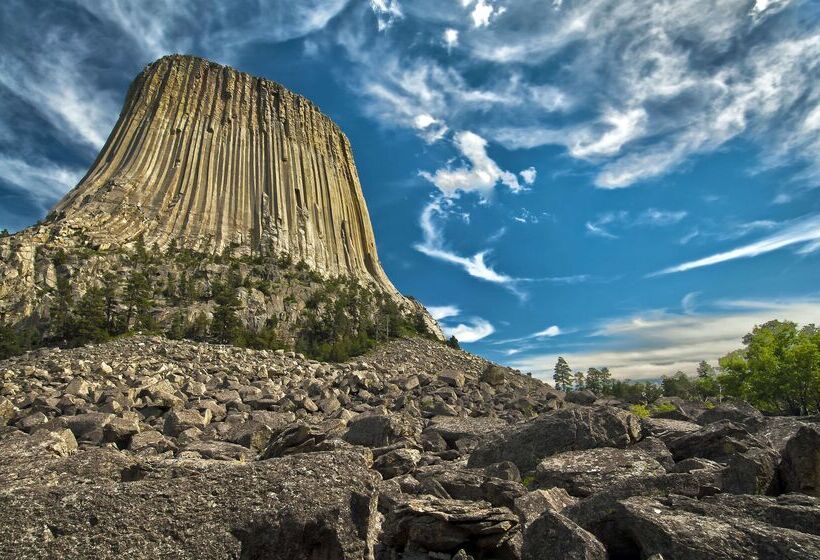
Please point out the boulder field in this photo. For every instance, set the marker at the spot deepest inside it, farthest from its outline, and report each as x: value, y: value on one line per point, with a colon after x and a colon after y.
x: 150, y: 448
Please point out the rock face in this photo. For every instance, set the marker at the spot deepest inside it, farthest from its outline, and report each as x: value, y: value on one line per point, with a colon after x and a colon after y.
x: 215, y: 162
x: 206, y: 156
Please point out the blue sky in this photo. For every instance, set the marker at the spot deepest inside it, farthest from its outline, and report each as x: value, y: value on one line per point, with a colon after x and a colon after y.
x: 630, y: 184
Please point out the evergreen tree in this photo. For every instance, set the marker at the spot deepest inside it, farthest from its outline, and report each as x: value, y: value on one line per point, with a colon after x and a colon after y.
x: 452, y: 342
x: 88, y: 320
x: 177, y: 328
x: 562, y: 375
x: 110, y: 292
x: 60, y: 311
x: 580, y: 381
x: 226, y: 327
x: 138, y: 299
x: 9, y: 342
x: 595, y: 380
x: 4, y: 233
x: 704, y: 369
x: 199, y: 329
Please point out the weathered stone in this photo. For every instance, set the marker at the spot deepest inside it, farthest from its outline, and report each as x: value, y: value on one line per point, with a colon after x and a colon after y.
x: 397, y: 462
x: 552, y: 535
x: 587, y: 472
x: 453, y: 378
x: 379, y: 430
x: 554, y: 432
x: 442, y: 525
x: 177, y: 421
x: 800, y: 469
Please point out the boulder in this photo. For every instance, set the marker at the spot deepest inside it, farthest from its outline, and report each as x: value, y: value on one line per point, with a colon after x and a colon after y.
x: 666, y: 430
x: 379, y: 430
x: 583, y: 397
x: 733, y: 411
x: 531, y: 505
x: 453, y: 378
x: 553, y: 536
x: 493, y: 375
x: 309, y: 506
x: 679, y: 529
x: 587, y: 472
x: 800, y: 468
x: 455, y: 428
x: 397, y: 462
x: 554, y: 432
x: 443, y: 525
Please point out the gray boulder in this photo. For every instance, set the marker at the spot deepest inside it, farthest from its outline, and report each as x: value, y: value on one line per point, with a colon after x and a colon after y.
x: 800, y: 468
x: 587, y: 472
x: 567, y: 429
x: 553, y: 536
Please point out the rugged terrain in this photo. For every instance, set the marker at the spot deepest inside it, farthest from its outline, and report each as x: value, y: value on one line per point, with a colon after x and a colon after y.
x: 145, y: 448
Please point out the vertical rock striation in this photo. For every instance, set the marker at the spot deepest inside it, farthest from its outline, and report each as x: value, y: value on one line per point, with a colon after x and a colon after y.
x: 209, y: 157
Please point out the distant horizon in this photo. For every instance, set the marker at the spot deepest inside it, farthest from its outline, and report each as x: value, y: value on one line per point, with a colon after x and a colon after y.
x: 625, y: 187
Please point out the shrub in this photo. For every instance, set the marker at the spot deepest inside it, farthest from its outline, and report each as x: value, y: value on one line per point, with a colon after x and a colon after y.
x: 639, y: 410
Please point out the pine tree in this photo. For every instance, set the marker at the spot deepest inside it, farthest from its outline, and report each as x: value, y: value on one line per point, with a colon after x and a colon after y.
x: 452, y: 342
x: 580, y: 381
x: 9, y: 342
x: 226, y: 327
x: 138, y: 300
x: 704, y: 369
x: 88, y: 320
x: 60, y: 311
x: 110, y: 292
x: 562, y: 375
x: 594, y: 380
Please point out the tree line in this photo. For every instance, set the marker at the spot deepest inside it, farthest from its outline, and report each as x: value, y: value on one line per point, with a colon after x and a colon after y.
x: 342, y: 319
x: 777, y: 370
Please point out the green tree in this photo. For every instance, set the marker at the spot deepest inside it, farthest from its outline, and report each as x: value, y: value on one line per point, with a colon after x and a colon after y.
x: 9, y: 342
x: 60, y: 310
x: 138, y: 300
x: 226, y: 326
x: 562, y: 375
x: 678, y: 385
x: 88, y: 320
x: 452, y: 342
x: 4, y: 233
x: 580, y: 381
x: 598, y: 380
x: 778, y: 370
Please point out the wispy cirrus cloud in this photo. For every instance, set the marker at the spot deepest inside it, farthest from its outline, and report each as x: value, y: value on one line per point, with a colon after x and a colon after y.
x: 602, y: 225
x: 631, y: 90
x: 804, y: 231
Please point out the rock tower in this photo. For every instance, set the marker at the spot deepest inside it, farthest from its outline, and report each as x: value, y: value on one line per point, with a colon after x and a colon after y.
x: 209, y: 157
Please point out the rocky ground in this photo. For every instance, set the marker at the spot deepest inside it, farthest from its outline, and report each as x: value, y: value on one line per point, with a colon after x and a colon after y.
x: 150, y: 448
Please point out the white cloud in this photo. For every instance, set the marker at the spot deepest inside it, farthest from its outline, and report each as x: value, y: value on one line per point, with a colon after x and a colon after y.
x: 652, y: 344
x: 472, y: 330
x: 52, y: 82
x: 450, y: 38
x: 633, y: 89
x: 481, y: 174
x: 687, y: 304
x: 482, y: 11
x: 443, y: 311
x: 387, y: 12
x: 651, y: 217
x: 40, y: 179
x: 548, y: 332
x: 528, y: 175
x: 433, y: 245
x: 803, y: 231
